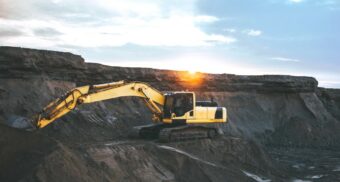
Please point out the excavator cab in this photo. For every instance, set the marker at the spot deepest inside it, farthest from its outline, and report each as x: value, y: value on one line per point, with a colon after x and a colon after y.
x: 182, y: 108
x: 177, y: 104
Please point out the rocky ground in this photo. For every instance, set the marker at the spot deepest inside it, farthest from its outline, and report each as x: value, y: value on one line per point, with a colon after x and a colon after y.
x: 281, y: 128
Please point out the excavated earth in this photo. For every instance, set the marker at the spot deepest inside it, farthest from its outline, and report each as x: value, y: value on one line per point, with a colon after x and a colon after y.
x: 281, y: 128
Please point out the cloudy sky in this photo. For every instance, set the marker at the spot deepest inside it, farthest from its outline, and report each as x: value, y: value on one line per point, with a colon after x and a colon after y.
x: 295, y: 37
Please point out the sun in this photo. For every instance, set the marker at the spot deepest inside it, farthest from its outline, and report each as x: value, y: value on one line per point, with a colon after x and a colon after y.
x: 192, y: 72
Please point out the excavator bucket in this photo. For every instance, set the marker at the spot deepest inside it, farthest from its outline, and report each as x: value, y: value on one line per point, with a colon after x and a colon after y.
x: 20, y: 122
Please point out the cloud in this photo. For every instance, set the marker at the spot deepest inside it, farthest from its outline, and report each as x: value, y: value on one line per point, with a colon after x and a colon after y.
x: 230, y: 30
x: 295, y: 1
x: 252, y: 32
x: 283, y: 59
x: 87, y: 23
x: 46, y: 32
x: 329, y: 83
x: 206, y: 19
x: 8, y: 32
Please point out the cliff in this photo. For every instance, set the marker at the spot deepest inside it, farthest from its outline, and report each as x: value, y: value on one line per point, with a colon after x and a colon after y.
x: 24, y: 63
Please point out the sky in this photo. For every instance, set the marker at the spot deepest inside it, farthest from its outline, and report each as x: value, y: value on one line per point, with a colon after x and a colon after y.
x: 248, y: 37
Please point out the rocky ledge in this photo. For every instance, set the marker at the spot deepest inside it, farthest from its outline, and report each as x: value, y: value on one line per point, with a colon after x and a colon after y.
x: 23, y: 63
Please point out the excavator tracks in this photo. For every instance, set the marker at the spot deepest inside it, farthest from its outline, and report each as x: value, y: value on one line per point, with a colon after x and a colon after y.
x: 184, y: 133
x: 173, y: 133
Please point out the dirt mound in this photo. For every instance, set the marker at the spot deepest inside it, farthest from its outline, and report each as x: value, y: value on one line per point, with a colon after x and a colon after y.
x: 28, y: 156
x: 31, y: 156
x: 16, y: 147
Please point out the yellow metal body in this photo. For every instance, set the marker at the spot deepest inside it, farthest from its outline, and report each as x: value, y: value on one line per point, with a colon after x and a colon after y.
x: 202, y: 115
x: 199, y: 114
x: 151, y: 96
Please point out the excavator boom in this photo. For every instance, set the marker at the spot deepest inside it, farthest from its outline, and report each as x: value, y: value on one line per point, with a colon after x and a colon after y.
x: 95, y: 93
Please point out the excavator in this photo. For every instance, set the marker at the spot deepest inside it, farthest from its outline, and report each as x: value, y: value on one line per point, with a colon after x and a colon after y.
x: 176, y: 115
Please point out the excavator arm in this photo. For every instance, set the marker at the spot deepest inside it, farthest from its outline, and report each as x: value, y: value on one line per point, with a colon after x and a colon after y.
x: 95, y: 93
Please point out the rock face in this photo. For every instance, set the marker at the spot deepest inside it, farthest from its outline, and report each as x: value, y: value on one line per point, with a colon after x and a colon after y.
x: 27, y: 63
x: 270, y: 110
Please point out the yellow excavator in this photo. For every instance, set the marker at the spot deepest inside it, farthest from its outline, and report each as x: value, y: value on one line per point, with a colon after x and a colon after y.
x: 177, y: 115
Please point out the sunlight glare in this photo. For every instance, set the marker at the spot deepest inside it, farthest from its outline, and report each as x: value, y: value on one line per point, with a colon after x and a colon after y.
x: 192, y: 72
x: 193, y: 64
